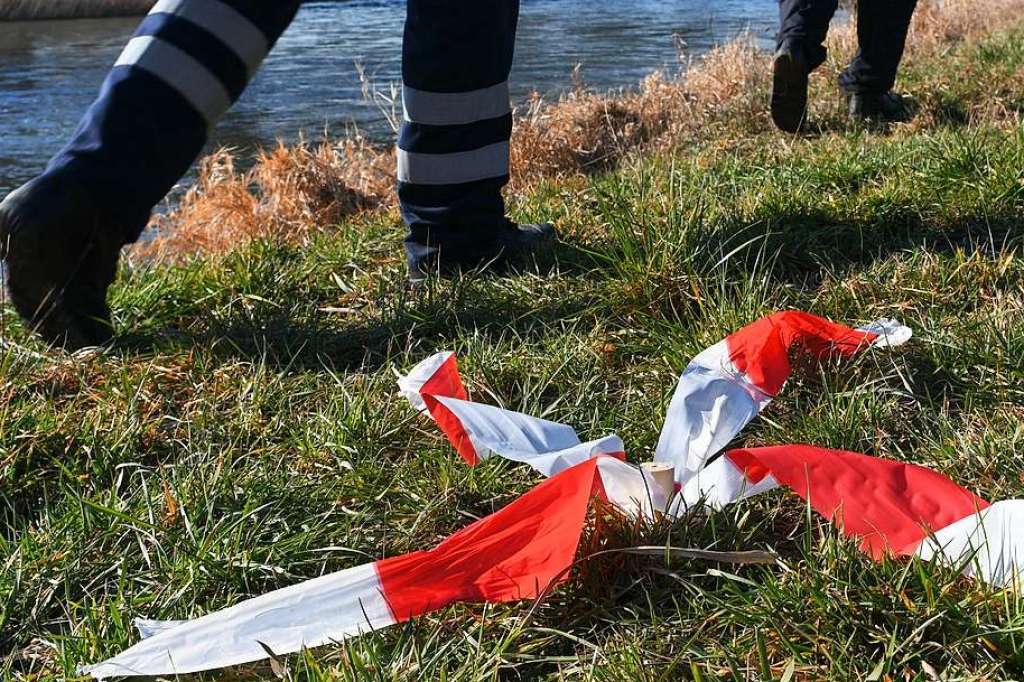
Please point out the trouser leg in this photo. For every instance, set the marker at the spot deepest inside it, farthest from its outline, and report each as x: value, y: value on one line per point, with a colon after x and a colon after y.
x: 187, y: 63
x: 882, y: 27
x: 805, y: 24
x: 453, y: 148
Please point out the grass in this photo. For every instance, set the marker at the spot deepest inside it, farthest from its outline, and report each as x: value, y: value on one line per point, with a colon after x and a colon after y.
x: 24, y: 10
x: 244, y: 432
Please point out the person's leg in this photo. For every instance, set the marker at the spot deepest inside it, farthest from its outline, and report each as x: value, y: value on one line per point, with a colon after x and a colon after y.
x: 453, y: 148
x: 882, y: 27
x: 803, y: 26
x: 61, y: 233
x: 187, y: 63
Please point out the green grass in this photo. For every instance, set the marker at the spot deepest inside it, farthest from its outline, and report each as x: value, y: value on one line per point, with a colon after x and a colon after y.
x: 245, y: 433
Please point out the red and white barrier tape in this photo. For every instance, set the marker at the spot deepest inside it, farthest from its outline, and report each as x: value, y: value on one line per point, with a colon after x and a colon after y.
x: 516, y: 553
x: 894, y: 508
x: 728, y: 384
x: 510, y: 555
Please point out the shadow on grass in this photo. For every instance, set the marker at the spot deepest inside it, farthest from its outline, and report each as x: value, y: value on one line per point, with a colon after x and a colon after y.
x: 841, y: 124
x: 818, y: 238
x: 803, y: 246
x: 309, y: 336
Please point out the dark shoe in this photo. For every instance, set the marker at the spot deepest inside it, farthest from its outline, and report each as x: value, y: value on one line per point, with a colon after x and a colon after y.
x: 527, y: 241
x: 886, y: 107
x: 61, y: 257
x: 516, y: 243
x: 789, y: 88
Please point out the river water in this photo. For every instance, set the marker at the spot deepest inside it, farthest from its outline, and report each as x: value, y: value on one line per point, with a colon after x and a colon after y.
x: 50, y: 71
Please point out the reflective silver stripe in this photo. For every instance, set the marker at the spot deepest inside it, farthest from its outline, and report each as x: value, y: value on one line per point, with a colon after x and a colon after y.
x: 455, y: 108
x: 191, y: 79
x: 451, y: 169
x: 229, y: 25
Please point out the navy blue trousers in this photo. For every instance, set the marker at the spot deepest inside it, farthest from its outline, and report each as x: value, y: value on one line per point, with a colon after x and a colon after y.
x: 191, y: 59
x: 882, y: 27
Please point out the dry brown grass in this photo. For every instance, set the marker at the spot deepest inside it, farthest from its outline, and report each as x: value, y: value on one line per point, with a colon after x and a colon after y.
x: 288, y: 193
x: 938, y: 23
x: 724, y: 90
x: 292, y: 191
x: 24, y: 10
x: 585, y: 131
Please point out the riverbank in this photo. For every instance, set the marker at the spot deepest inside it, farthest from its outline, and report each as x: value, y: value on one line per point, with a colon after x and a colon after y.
x: 31, y: 10
x: 51, y: 70
x: 244, y: 432
x: 293, y: 191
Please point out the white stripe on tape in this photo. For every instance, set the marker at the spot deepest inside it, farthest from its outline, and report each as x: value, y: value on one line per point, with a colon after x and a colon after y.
x: 147, y: 628
x: 711, y: 405
x: 191, y: 79
x: 455, y: 108
x: 308, y: 614
x: 720, y: 484
x: 409, y: 385
x: 988, y: 545
x: 454, y: 168
x: 549, y: 447
x: 226, y: 23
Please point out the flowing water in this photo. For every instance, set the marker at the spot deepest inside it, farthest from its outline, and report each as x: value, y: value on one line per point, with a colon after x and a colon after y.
x: 314, y: 79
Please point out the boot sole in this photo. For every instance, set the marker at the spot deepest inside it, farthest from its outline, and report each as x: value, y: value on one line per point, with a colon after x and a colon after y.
x: 789, y: 93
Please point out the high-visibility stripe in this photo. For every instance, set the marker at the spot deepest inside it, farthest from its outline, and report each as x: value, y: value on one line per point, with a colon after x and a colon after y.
x: 216, y: 57
x: 455, y: 108
x: 188, y: 77
x: 227, y: 24
x: 421, y: 138
x: 455, y: 168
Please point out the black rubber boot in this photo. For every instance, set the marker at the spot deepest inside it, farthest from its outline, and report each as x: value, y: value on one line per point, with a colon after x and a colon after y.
x: 887, y: 107
x: 789, y: 88
x: 61, y: 256
x: 516, y: 243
